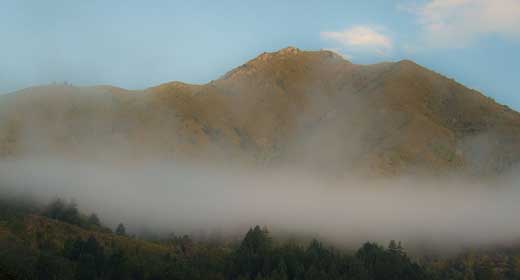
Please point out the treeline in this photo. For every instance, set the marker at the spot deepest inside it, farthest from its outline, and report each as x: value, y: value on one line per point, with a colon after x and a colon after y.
x: 255, y: 258
x: 58, y: 242
x: 68, y: 212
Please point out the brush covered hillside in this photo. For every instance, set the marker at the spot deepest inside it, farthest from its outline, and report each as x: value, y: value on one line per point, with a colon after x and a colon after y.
x: 291, y: 107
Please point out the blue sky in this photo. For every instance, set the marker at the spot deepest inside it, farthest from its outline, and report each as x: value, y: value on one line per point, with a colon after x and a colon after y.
x: 137, y: 44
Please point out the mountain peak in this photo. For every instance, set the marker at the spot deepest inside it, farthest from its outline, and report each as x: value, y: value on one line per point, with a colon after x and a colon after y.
x: 290, y: 54
x: 289, y: 50
x: 282, y: 52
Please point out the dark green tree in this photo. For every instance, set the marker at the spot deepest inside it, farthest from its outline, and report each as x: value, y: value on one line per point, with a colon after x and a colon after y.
x: 252, y: 257
x: 65, y: 212
x: 121, y: 230
x: 93, y: 220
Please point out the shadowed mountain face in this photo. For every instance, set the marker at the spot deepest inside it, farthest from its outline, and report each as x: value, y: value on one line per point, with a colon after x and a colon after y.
x: 313, y: 110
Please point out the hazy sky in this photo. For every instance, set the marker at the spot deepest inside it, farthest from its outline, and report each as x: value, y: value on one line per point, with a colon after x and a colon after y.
x: 136, y: 44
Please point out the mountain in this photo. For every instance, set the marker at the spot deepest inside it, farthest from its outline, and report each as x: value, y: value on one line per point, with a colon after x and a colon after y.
x: 312, y: 109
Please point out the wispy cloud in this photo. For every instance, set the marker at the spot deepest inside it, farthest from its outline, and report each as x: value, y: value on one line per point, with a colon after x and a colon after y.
x: 457, y: 23
x: 360, y: 38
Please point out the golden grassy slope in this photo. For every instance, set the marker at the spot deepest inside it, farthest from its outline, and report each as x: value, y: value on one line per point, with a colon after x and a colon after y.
x: 313, y: 109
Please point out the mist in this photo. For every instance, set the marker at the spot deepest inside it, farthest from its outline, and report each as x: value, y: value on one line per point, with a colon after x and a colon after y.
x: 167, y: 197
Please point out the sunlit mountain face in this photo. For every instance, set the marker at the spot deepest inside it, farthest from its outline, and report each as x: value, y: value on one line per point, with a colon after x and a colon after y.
x: 309, y: 109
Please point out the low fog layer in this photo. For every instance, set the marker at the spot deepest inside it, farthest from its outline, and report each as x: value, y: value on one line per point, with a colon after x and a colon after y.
x: 184, y: 199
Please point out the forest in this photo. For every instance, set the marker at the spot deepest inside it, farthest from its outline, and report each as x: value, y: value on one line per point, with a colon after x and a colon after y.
x: 57, y: 241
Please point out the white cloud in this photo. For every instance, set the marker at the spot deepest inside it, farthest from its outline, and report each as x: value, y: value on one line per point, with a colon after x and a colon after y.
x: 456, y: 23
x: 360, y: 38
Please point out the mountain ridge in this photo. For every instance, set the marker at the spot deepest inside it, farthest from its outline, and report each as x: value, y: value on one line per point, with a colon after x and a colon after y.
x: 292, y: 107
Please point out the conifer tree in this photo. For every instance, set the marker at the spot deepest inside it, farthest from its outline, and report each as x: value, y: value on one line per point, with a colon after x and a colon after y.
x: 121, y: 230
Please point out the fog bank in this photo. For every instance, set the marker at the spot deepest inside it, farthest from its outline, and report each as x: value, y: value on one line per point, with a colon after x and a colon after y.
x: 166, y: 197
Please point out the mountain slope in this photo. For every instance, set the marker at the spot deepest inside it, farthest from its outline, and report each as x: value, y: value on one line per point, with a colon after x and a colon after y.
x: 301, y: 108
